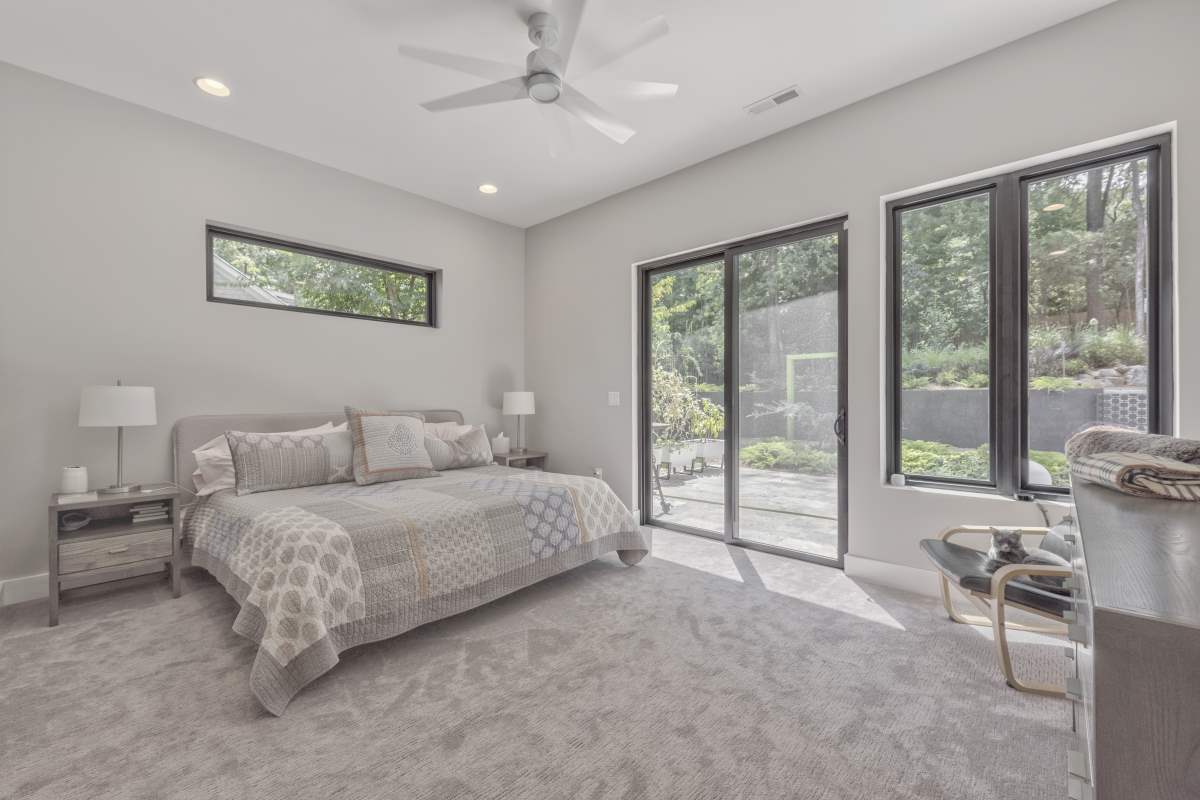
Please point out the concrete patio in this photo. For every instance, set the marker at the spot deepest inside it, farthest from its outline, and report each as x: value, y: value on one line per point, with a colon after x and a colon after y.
x: 784, y: 509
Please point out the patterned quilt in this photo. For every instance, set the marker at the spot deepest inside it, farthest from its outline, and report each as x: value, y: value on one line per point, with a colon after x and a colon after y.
x: 321, y: 569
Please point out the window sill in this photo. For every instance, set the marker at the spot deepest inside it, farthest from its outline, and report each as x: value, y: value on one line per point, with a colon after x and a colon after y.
x: 984, y: 492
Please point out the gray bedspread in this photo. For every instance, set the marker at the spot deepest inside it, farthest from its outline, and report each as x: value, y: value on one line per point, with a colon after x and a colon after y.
x: 322, y: 569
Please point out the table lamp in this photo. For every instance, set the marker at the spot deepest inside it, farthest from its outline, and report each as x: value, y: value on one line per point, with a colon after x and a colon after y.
x: 518, y: 404
x: 117, y: 407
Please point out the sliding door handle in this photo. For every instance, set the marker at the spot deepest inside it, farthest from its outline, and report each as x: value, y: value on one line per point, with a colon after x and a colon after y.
x: 839, y: 427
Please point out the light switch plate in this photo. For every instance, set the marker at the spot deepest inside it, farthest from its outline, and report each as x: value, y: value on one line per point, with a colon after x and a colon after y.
x: 614, y: 398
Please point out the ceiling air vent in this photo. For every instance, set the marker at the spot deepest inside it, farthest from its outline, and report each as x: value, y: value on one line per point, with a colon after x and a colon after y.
x: 776, y: 99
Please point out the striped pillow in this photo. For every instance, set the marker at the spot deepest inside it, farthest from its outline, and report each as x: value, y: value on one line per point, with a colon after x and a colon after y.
x: 264, y: 462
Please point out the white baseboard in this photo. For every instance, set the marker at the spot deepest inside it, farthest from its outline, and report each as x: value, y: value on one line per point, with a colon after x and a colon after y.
x: 897, y: 576
x: 29, y: 587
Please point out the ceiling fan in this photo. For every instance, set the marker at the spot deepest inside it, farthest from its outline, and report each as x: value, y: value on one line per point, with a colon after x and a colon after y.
x: 553, y: 34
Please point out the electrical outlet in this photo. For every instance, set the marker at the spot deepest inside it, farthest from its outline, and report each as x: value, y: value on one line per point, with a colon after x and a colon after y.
x: 598, y: 472
x: 614, y: 398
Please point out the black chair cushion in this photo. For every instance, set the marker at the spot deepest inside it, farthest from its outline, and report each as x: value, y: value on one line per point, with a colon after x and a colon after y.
x: 972, y: 570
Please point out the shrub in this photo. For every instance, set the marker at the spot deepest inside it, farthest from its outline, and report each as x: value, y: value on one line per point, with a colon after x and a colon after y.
x: 1108, y: 348
x: 953, y: 362
x: 686, y: 415
x: 914, y: 382
x: 783, y: 454
x: 1056, y: 463
x: 1053, y: 383
x: 976, y: 380
x: 919, y: 457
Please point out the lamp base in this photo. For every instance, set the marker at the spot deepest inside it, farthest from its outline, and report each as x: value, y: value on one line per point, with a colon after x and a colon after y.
x: 125, y: 488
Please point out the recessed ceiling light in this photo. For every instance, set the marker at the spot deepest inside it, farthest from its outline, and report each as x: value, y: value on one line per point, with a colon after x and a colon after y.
x: 1057, y: 253
x: 1055, y: 207
x: 212, y: 86
x: 488, y: 188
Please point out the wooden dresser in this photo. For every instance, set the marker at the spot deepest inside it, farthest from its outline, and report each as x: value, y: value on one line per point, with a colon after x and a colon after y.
x: 1136, y: 648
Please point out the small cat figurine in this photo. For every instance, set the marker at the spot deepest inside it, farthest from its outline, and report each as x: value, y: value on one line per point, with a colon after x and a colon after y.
x: 1006, y: 548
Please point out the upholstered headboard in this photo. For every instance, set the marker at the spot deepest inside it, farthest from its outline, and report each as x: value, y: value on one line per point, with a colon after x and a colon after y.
x: 191, y: 432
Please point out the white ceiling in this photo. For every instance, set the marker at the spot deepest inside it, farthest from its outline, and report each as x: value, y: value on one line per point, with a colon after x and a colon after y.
x: 322, y: 79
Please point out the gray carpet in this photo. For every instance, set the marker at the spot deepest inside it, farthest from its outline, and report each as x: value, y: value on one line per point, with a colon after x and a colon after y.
x: 705, y: 672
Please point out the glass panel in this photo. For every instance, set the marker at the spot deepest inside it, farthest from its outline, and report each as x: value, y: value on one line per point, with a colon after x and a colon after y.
x: 260, y: 273
x: 945, y: 388
x: 788, y: 395
x: 1088, y: 309
x: 687, y: 405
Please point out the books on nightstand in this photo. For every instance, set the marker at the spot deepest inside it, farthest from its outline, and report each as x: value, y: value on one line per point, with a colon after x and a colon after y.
x: 149, y: 512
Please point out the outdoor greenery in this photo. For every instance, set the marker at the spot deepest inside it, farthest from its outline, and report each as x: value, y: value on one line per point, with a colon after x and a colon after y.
x: 307, y: 281
x: 934, y: 458
x: 1087, y: 321
x: 790, y: 455
x: 1087, y: 281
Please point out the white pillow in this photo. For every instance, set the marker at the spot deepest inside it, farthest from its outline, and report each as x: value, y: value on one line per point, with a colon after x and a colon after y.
x: 214, y: 462
x: 446, y: 431
x: 471, y: 449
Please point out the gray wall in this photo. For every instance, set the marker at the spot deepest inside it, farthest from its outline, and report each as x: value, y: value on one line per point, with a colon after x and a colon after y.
x: 1123, y: 68
x: 102, y: 213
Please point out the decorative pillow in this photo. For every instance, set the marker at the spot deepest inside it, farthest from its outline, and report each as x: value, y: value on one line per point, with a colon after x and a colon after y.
x: 265, y: 462
x: 469, y: 449
x: 388, y: 446
x: 214, y: 462
x: 447, y: 431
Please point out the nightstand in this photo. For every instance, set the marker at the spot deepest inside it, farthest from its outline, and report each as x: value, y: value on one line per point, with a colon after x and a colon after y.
x: 113, y: 545
x: 530, y: 459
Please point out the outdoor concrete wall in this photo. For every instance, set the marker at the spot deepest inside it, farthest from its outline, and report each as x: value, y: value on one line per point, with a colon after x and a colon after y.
x: 960, y: 417
x: 1123, y: 68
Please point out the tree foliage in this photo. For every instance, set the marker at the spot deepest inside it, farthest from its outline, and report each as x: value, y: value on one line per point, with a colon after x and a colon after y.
x: 325, y: 283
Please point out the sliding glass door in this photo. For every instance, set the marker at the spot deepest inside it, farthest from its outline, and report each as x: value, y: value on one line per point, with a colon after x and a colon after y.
x: 686, y: 338
x: 743, y: 393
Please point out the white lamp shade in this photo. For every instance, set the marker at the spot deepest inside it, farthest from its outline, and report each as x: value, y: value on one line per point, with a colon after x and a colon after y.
x: 117, y: 406
x: 516, y: 403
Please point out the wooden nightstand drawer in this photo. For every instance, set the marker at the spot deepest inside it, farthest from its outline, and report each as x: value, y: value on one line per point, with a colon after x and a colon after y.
x: 113, y: 551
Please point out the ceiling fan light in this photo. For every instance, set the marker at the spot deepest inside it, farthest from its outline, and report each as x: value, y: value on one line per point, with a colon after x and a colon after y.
x: 544, y: 87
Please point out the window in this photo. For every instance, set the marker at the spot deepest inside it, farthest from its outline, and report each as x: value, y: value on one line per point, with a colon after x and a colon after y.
x: 1025, y: 308
x: 257, y: 271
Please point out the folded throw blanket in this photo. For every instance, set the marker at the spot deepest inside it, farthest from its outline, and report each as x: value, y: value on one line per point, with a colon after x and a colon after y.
x: 1140, y: 474
x: 1114, y: 439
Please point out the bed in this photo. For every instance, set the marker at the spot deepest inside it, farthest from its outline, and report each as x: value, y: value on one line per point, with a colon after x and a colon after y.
x: 321, y: 569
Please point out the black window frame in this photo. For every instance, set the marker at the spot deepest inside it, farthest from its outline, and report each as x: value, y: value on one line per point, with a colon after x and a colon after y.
x: 432, y: 276
x: 1008, y: 314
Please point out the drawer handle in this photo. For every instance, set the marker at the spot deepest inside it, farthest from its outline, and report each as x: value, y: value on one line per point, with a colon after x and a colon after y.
x: 1078, y: 633
x: 112, y: 551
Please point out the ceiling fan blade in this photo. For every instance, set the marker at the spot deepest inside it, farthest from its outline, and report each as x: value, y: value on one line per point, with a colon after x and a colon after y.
x: 569, y: 14
x: 502, y: 92
x: 642, y: 90
x: 479, y: 67
x: 647, y: 32
x: 575, y: 103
